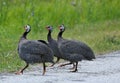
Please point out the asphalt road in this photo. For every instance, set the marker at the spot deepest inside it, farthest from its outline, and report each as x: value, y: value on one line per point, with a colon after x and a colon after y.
x: 104, y: 69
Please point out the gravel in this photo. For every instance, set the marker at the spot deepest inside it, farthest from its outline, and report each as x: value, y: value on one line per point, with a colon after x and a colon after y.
x: 104, y: 69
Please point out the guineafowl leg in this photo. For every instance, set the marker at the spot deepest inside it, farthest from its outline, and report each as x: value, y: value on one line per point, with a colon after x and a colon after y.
x: 65, y: 64
x: 44, y: 68
x: 55, y: 62
x: 75, y: 68
x: 21, y: 71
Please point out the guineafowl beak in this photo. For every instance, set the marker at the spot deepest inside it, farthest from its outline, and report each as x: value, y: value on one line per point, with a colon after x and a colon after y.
x: 60, y: 28
x: 47, y: 27
x: 25, y: 27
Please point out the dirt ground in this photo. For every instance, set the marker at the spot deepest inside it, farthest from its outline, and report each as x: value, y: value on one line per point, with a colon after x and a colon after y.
x: 104, y: 69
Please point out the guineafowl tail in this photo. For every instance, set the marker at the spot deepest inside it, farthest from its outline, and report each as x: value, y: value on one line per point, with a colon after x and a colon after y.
x: 90, y: 57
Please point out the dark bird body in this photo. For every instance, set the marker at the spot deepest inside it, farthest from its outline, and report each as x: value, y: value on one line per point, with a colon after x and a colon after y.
x: 34, y: 51
x: 38, y: 52
x: 53, y: 44
x: 72, y: 50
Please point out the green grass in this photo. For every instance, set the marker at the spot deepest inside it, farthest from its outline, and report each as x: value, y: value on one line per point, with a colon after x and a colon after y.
x: 95, y: 22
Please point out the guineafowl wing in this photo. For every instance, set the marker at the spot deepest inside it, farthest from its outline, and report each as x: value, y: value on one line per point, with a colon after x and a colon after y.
x: 43, y: 42
x: 70, y: 46
x: 34, y: 50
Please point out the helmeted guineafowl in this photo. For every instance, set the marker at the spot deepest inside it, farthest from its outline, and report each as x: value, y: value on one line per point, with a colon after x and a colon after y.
x: 72, y: 50
x: 53, y: 44
x: 33, y: 51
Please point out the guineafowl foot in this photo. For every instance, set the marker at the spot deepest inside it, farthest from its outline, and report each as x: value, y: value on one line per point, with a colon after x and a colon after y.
x: 74, y: 70
x: 19, y: 72
x: 52, y: 65
x: 61, y: 65
x: 75, y: 66
x: 43, y: 73
x: 44, y: 68
x: 72, y: 67
x: 64, y: 64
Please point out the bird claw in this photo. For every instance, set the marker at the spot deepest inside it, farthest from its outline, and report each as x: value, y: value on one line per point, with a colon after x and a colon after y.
x: 61, y: 65
x: 19, y: 73
x: 52, y: 65
x: 43, y: 73
x: 71, y: 68
x: 74, y: 70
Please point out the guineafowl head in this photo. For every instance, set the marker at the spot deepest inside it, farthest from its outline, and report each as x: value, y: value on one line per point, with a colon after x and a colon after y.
x: 50, y: 28
x: 27, y: 28
x: 62, y: 28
